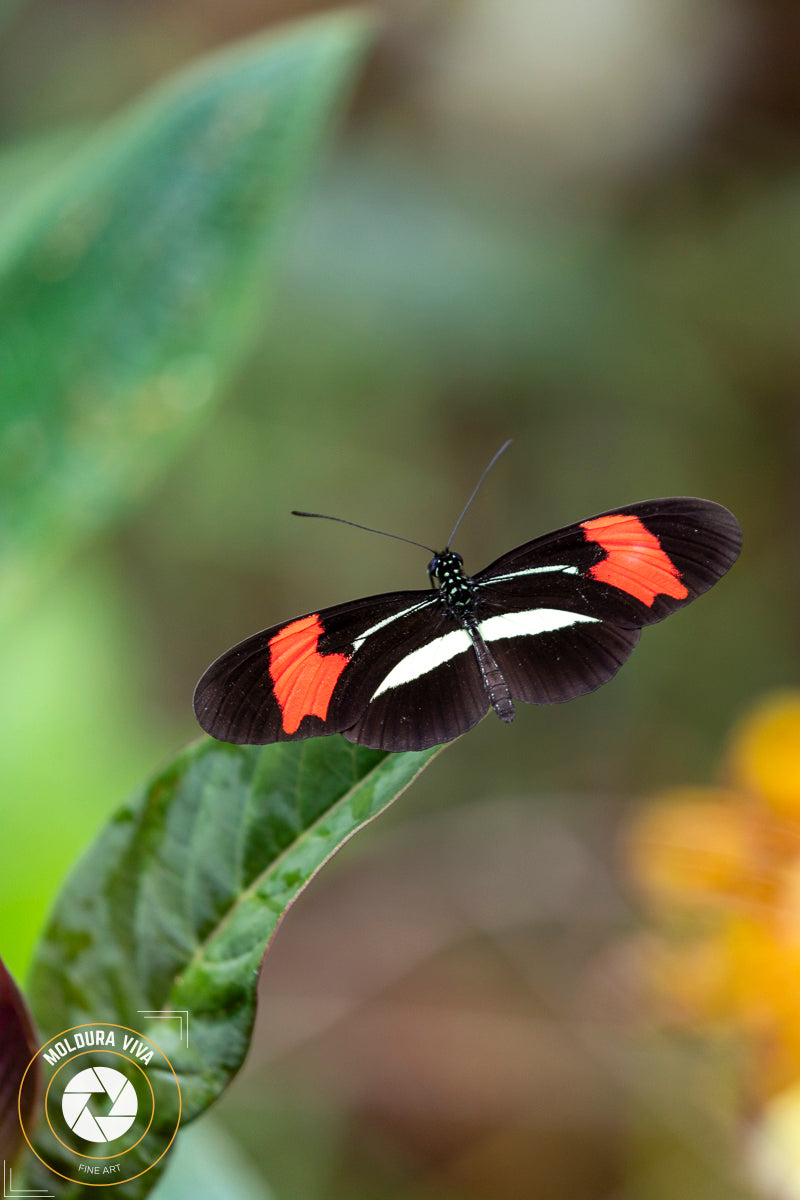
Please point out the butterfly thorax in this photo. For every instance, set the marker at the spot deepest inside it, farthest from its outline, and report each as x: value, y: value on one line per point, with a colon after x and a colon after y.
x: 455, y: 586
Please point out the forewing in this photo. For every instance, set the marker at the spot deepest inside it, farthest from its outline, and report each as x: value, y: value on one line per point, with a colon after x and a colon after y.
x: 310, y: 676
x: 631, y: 566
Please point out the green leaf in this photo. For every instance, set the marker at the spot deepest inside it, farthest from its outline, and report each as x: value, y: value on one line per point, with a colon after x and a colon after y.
x: 131, y: 281
x: 18, y: 1045
x: 173, y: 907
x: 24, y: 164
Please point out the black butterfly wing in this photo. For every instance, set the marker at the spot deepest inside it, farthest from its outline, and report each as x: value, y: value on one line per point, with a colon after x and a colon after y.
x: 562, y: 613
x: 632, y: 566
x: 320, y: 673
x: 433, y: 692
x: 558, y: 662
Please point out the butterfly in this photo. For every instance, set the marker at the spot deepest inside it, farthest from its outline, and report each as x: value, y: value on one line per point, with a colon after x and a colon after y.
x: 550, y: 620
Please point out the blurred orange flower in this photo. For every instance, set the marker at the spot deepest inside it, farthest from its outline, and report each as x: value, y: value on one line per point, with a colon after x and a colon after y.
x: 719, y: 869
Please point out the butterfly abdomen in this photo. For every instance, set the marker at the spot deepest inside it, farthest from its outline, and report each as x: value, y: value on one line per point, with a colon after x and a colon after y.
x: 494, y: 682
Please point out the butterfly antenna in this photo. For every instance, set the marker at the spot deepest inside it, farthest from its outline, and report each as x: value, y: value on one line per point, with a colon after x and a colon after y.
x: 486, y: 471
x: 342, y: 521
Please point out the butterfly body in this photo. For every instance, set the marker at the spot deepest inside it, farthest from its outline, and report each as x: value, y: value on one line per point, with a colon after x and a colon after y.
x: 549, y: 621
x: 461, y: 601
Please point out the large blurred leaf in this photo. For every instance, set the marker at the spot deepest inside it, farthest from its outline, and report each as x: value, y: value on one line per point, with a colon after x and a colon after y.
x: 23, y: 165
x: 131, y: 281
x: 174, y: 905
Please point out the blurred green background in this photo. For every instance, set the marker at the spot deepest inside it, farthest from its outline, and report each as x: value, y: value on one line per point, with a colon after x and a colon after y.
x: 571, y: 222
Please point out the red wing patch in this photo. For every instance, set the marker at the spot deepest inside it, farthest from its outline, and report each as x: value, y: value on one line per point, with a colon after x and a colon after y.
x: 303, y: 679
x: 635, y: 562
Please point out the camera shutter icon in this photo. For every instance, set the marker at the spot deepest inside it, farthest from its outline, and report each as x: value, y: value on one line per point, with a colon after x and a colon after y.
x: 104, y: 1081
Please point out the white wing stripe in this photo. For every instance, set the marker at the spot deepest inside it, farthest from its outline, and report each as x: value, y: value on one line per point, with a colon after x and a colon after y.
x: 433, y: 654
x: 565, y: 570
x: 426, y: 658
x: 534, y: 621
x: 359, y: 642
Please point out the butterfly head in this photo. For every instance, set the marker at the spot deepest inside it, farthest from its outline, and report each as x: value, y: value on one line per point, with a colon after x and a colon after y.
x: 444, y: 566
x: 457, y: 590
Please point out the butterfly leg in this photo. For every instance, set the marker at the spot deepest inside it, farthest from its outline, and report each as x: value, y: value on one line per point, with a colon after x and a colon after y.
x: 493, y: 681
